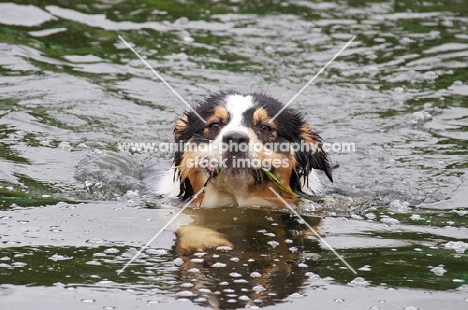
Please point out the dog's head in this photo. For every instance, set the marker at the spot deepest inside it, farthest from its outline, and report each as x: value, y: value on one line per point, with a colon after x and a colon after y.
x: 241, y: 148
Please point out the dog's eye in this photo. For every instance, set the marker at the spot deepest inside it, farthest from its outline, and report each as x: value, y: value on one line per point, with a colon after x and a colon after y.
x: 265, y: 128
x: 214, y: 125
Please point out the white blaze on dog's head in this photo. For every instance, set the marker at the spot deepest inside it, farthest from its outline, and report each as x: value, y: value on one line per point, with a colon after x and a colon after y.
x: 236, y: 105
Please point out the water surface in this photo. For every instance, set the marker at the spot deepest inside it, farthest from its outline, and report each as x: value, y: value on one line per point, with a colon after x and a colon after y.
x: 74, y: 208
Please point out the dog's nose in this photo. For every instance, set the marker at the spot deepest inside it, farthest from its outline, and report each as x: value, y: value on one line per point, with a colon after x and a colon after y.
x: 236, y: 137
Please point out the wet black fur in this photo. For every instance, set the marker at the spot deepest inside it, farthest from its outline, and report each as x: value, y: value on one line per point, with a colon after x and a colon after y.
x: 288, y: 123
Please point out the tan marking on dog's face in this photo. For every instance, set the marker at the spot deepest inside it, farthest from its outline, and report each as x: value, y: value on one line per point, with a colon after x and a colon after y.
x: 197, y: 178
x: 220, y: 115
x: 261, y: 118
x: 308, y: 135
x: 180, y: 124
x: 284, y: 175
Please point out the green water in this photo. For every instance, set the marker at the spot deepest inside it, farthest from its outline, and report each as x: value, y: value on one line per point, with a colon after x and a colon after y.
x: 74, y: 209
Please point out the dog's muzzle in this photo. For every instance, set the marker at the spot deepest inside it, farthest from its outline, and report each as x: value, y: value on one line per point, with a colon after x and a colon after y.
x: 236, y: 144
x: 236, y: 137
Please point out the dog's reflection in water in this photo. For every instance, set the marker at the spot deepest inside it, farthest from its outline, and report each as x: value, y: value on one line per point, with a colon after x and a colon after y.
x: 260, y: 257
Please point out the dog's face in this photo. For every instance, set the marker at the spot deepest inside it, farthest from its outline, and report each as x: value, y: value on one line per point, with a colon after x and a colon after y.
x: 241, y: 150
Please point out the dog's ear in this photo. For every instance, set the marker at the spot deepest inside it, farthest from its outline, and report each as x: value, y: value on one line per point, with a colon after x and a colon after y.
x: 311, y: 154
x: 180, y: 126
x: 181, y: 134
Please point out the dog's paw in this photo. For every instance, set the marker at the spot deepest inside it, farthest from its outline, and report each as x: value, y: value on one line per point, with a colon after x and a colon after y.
x: 196, y: 238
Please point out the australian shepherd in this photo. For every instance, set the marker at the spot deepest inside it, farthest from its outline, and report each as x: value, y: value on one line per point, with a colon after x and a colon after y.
x: 233, y: 147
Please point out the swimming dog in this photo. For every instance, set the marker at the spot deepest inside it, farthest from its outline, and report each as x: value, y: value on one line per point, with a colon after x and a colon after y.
x: 233, y: 148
